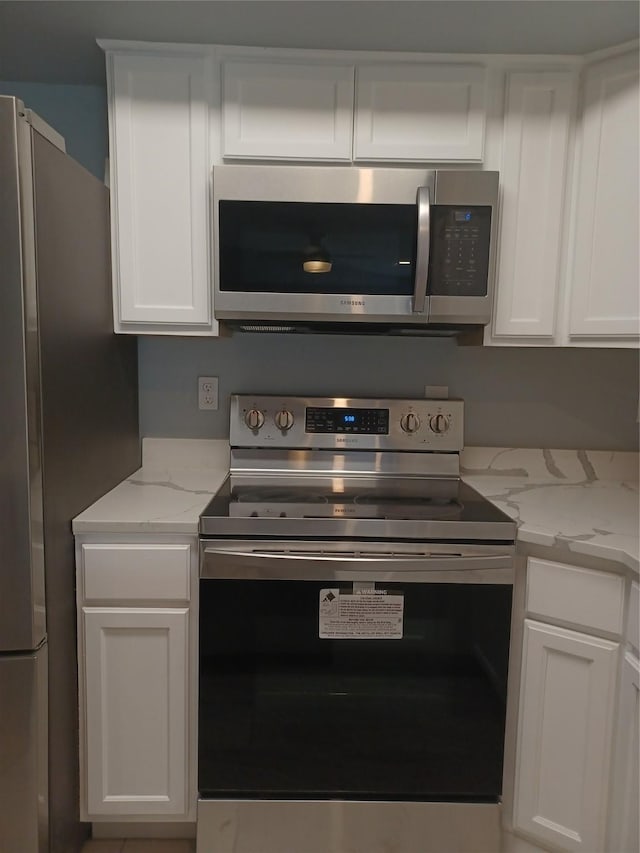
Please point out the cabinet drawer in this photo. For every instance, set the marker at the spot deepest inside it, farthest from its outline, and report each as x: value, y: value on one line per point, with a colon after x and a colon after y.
x: 136, y: 572
x: 571, y: 594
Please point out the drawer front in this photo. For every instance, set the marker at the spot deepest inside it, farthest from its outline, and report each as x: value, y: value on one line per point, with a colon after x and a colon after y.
x: 583, y: 597
x: 136, y: 572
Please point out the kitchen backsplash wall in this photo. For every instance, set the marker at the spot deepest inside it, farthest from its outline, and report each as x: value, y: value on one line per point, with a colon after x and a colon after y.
x: 515, y: 397
x: 550, y: 397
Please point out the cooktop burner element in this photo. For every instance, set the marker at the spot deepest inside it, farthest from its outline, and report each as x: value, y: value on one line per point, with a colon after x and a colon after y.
x: 310, y: 467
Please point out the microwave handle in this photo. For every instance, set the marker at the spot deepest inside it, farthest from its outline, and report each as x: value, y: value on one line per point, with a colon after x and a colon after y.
x: 423, y: 201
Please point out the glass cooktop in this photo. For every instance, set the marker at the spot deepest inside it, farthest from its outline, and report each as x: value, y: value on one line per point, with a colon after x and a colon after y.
x: 351, y: 499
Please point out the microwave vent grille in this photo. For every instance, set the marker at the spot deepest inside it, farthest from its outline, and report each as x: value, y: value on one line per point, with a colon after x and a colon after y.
x: 258, y: 327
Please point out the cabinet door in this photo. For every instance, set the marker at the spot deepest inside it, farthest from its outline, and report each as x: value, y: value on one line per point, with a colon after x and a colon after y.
x: 623, y: 823
x: 605, y: 295
x: 160, y: 177
x: 287, y: 111
x: 420, y: 112
x: 136, y: 680
x: 564, y: 737
x: 533, y: 178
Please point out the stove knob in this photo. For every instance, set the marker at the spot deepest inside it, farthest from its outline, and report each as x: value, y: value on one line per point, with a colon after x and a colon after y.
x: 410, y: 423
x: 439, y: 423
x: 284, y: 419
x: 254, y: 419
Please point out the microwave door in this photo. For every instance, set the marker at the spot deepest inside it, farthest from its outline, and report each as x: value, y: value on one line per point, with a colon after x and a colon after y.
x: 319, y: 261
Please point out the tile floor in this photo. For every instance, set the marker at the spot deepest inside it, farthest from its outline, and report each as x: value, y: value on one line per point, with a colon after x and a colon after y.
x: 138, y: 845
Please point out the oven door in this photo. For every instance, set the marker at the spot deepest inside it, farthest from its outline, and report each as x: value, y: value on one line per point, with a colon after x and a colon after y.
x: 362, y: 671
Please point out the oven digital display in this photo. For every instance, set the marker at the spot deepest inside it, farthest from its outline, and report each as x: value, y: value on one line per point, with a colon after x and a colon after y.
x: 339, y: 420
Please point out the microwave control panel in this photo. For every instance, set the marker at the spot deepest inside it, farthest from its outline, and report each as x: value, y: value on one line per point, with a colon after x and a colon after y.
x: 459, y: 253
x: 350, y: 423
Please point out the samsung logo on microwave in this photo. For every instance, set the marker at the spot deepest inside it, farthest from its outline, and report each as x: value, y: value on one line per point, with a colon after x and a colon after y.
x: 356, y: 302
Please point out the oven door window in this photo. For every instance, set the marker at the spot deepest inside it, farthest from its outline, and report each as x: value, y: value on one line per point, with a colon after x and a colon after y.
x: 285, y: 714
x: 290, y: 247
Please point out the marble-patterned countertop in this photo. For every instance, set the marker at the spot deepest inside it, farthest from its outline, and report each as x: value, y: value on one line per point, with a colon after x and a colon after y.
x: 177, y: 480
x: 585, y: 502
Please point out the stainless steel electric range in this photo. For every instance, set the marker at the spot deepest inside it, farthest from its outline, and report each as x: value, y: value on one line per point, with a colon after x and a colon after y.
x: 355, y: 603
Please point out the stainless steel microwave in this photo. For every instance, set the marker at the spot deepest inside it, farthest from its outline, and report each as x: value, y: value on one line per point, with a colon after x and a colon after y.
x: 319, y: 248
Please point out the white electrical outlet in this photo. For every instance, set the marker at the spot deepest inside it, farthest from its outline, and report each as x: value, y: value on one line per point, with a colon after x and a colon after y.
x: 207, y: 393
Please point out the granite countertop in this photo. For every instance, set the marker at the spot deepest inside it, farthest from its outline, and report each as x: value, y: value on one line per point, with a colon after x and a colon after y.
x: 585, y: 502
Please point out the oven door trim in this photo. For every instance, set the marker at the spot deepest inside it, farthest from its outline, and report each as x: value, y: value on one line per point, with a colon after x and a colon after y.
x: 348, y: 561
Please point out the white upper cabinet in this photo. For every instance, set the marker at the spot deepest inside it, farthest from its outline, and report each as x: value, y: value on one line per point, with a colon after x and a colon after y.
x: 287, y: 110
x: 160, y: 175
x: 567, y: 252
x: 605, y: 292
x: 420, y: 112
x: 538, y: 112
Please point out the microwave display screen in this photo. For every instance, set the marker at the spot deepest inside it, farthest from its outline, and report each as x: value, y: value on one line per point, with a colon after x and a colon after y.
x: 339, y: 420
x: 317, y: 248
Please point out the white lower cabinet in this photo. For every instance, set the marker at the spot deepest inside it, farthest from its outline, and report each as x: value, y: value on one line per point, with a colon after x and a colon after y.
x: 576, y: 752
x: 566, y: 719
x: 137, y: 739
x: 623, y: 820
x: 137, y: 649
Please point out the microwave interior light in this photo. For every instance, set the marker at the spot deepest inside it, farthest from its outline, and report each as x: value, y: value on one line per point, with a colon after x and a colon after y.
x: 315, y: 257
x: 316, y: 265
x: 404, y: 263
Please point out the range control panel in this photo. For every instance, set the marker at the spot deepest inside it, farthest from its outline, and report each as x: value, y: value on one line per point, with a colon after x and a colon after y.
x: 353, y: 423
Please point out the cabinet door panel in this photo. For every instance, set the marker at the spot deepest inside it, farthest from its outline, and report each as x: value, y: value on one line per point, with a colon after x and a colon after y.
x: 565, y: 729
x: 623, y: 823
x: 287, y: 111
x: 533, y: 176
x: 420, y: 112
x: 136, y: 682
x: 605, y: 295
x: 159, y: 121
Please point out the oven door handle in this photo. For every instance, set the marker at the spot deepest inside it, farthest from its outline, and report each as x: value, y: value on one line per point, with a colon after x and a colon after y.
x: 218, y: 563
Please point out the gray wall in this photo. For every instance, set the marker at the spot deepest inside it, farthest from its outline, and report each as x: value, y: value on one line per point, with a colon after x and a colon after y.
x: 543, y: 397
x: 79, y: 113
x: 515, y: 397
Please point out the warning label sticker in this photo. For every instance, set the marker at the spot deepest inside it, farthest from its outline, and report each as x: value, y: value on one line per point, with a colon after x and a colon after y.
x: 365, y: 614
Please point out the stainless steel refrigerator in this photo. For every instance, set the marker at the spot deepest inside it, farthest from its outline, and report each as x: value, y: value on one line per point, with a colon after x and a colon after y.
x: 68, y: 433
